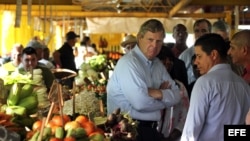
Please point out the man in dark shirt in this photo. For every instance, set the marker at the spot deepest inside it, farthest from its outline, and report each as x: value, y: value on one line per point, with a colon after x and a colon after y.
x: 29, y: 61
x: 180, y: 35
x: 64, y: 57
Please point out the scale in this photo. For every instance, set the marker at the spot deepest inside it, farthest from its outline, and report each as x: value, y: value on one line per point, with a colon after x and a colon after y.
x: 56, y: 91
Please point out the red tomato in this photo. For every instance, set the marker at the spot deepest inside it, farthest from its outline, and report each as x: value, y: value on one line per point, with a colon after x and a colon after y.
x: 55, y: 139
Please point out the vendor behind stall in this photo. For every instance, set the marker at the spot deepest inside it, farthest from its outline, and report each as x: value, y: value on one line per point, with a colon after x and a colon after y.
x: 29, y: 61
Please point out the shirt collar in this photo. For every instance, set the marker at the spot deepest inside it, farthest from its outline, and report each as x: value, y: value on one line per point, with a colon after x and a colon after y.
x: 219, y: 66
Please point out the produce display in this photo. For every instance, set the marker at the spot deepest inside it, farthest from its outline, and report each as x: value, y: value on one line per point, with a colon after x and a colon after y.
x: 85, y: 102
x: 25, y: 102
x: 66, y: 128
x: 89, y: 72
x: 24, y: 94
x: 91, y: 82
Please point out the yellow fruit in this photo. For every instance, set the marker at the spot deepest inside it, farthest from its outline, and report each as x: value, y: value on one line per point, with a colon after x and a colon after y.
x: 71, y: 125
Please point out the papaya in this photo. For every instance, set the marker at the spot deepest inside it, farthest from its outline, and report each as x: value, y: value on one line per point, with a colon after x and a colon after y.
x: 79, y: 133
x: 14, y: 94
x: 26, y: 90
x: 59, y: 133
x: 29, y: 102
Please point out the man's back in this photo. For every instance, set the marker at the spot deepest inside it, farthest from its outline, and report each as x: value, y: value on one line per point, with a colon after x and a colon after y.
x: 219, y: 98
x: 67, y: 57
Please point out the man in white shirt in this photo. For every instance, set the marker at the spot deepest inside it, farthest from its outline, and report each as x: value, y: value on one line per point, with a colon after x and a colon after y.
x: 201, y: 27
x: 219, y: 97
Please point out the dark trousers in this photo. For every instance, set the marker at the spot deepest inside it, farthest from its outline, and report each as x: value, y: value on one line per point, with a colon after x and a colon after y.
x: 147, y: 132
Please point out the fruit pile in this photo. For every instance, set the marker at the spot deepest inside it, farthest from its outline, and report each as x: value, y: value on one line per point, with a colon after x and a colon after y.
x: 25, y: 99
x: 22, y: 95
x: 64, y: 128
x: 25, y: 93
x: 89, y: 72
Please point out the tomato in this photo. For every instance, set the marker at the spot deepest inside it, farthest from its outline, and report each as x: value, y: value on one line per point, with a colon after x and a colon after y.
x: 55, y: 139
x: 99, y: 130
x: 69, y: 139
x: 81, y: 119
x: 89, y: 127
x: 37, y: 125
x: 60, y: 120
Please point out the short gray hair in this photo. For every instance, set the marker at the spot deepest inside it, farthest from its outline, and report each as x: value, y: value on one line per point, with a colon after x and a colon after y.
x: 152, y: 25
x: 220, y: 26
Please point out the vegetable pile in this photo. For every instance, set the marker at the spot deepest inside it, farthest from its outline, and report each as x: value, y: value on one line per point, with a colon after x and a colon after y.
x: 66, y: 128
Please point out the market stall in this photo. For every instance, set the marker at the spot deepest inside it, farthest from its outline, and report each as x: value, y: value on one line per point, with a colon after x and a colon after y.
x: 32, y: 113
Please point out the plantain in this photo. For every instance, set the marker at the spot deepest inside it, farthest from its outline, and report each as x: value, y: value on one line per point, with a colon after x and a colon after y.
x: 26, y: 91
x: 29, y: 102
x: 15, y: 110
x: 14, y: 94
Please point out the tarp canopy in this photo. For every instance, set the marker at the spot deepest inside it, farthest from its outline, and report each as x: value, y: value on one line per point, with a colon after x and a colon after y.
x: 131, y: 25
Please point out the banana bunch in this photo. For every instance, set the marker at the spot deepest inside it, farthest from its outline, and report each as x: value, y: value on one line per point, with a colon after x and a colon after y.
x: 26, y: 96
x: 21, y: 101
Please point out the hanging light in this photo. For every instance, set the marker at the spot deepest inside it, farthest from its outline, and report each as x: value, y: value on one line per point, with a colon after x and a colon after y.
x: 245, y: 9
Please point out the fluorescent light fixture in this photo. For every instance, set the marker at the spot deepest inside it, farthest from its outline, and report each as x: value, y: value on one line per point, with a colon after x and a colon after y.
x: 242, y: 27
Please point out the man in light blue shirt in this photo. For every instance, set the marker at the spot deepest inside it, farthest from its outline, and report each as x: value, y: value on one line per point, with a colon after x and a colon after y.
x: 140, y: 84
x: 219, y: 97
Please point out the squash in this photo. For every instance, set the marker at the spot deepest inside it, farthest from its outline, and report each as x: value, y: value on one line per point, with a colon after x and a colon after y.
x: 29, y: 102
x: 26, y: 90
x: 13, y: 97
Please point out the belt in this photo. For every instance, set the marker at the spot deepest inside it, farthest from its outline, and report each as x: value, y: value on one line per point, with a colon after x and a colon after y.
x: 144, y: 123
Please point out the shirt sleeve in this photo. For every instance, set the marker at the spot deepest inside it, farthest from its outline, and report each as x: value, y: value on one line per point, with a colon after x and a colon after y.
x: 134, y: 86
x: 171, y: 96
x: 197, y: 111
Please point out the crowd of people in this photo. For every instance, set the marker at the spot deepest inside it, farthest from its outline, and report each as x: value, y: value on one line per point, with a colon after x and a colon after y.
x: 174, y: 92
x: 37, y: 55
